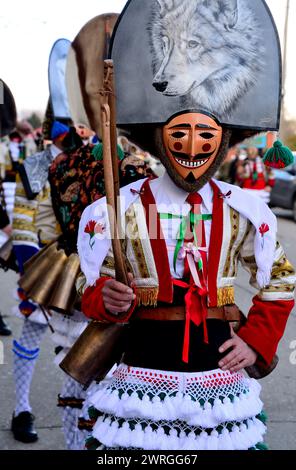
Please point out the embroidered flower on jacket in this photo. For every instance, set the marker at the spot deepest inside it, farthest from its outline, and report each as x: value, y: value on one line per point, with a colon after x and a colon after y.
x: 100, y: 228
x: 263, y: 229
x: 90, y: 230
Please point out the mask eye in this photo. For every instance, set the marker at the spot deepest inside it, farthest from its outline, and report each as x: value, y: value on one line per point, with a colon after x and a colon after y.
x: 206, y: 135
x: 178, y: 135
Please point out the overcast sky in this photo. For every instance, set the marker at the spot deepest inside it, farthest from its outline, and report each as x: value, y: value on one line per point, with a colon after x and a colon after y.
x: 28, y: 29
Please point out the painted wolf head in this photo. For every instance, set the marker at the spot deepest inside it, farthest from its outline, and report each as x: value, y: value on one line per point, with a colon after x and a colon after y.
x: 207, y: 51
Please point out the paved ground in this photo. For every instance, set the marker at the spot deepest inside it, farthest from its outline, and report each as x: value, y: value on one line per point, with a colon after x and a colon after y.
x: 278, y: 389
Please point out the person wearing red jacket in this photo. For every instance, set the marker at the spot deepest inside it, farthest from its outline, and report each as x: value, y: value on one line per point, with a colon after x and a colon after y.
x: 180, y: 383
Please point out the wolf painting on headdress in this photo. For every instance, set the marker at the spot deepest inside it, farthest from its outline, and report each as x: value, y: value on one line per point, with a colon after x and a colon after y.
x: 207, y: 51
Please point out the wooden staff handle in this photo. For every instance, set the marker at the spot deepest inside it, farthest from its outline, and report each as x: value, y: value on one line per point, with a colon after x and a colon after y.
x: 109, y: 86
x: 120, y: 267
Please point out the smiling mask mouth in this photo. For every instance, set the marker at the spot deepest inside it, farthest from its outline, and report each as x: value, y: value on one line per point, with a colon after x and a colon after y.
x: 199, y: 160
x: 192, y: 165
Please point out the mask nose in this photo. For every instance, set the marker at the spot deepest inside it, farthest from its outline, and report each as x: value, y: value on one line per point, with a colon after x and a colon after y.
x: 160, y: 86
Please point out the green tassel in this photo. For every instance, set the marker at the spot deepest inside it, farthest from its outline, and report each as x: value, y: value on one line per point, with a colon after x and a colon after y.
x: 93, y: 413
x: 278, y: 156
x: 92, y: 444
x: 97, y: 152
x: 262, y: 417
x: 261, y: 446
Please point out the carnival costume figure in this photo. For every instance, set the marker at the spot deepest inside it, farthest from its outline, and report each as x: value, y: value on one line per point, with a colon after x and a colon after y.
x: 201, y: 87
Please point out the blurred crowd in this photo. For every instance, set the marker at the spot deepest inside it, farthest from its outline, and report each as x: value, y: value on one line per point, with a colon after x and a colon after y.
x: 244, y: 167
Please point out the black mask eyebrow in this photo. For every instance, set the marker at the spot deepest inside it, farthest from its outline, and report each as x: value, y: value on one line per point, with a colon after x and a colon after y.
x: 198, y: 126
x: 180, y: 126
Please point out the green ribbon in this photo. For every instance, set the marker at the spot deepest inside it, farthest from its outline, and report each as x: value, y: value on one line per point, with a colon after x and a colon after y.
x: 194, y: 219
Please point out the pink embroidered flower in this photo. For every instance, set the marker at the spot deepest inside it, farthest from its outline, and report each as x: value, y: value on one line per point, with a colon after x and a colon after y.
x: 90, y: 230
x: 264, y: 228
x: 100, y: 229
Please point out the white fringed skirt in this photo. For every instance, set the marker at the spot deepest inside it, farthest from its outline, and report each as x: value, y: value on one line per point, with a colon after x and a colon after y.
x: 157, y: 410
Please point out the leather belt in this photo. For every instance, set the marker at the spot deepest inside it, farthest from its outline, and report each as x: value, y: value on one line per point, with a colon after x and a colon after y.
x: 230, y: 313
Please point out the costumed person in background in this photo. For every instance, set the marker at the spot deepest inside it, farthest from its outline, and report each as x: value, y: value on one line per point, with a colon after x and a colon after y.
x: 13, y: 157
x: 5, y: 227
x: 3, y: 154
x: 227, y: 171
x: 180, y: 383
x: 7, y: 124
x: 27, y: 133
x: 77, y: 180
x: 34, y: 225
x: 251, y: 174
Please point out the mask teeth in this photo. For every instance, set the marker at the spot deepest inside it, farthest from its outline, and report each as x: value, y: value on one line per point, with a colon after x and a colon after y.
x: 188, y: 164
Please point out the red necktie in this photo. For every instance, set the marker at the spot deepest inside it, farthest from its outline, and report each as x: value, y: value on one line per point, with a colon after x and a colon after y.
x: 196, y: 297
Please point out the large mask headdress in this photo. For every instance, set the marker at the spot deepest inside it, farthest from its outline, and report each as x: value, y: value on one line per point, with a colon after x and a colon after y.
x: 85, y: 69
x: 193, y: 77
x: 58, y: 103
x: 57, y: 79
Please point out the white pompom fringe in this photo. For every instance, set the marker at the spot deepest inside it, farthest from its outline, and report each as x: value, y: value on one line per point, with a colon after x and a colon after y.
x: 180, y: 407
x: 241, y: 437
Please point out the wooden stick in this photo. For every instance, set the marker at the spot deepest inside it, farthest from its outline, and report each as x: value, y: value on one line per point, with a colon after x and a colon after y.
x: 110, y: 87
x: 110, y: 161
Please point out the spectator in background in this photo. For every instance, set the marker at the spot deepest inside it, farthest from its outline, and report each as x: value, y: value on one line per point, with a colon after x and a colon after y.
x: 227, y: 172
x: 6, y: 228
x: 252, y: 175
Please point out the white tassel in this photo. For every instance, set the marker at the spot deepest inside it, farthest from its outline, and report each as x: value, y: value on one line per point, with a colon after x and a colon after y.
x: 130, y: 406
x: 236, y: 438
x: 225, y: 442
x: 109, y: 403
x: 228, y: 409
x: 246, y: 411
x: 202, y: 440
x: 138, y: 437
x: 123, y: 436
x: 213, y: 441
x: 95, y: 399
x: 208, y: 417
x: 182, y: 440
x: 245, y: 436
x: 173, y: 441
x: 170, y: 409
x: 161, y: 438
x: 109, y: 436
x: 253, y: 432
x: 238, y: 409
x: 177, y: 400
x: 145, y: 409
x: 157, y: 409
x: 188, y: 407
x: 101, y: 428
x: 218, y: 411
x: 149, y: 439
x: 190, y: 442
x: 260, y: 426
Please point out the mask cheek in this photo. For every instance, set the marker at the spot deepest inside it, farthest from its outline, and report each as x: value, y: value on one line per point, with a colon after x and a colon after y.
x: 176, y: 146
